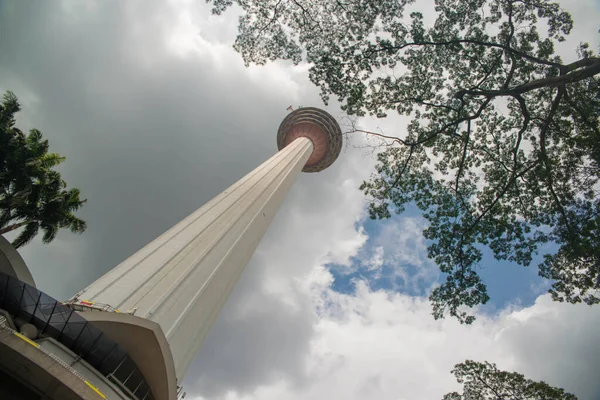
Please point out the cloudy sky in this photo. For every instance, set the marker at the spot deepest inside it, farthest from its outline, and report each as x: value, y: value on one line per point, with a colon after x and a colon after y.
x: 156, y: 114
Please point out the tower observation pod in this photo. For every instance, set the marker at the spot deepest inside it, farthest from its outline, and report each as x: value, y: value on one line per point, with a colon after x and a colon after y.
x: 149, y: 315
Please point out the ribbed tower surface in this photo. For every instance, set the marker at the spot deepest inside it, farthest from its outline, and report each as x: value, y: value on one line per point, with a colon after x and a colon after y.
x: 318, y: 126
x: 169, y: 293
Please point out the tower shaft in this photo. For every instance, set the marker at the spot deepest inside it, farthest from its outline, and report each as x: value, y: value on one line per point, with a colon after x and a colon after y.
x: 169, y: 293
x: 183, y: 278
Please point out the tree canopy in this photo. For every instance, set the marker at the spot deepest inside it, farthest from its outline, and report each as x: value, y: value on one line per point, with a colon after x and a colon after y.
x: 484, y: 381
x: 33, y: 195
x: 502, y: 144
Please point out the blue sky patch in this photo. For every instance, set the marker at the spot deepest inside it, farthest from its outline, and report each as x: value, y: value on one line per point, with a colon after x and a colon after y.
x: 394, y: 258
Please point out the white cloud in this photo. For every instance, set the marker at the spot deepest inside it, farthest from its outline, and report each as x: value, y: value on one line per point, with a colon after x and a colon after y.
x: 404, y: 247
x: 376, y: 260
x: 378, y: 345
x: 395, y: 249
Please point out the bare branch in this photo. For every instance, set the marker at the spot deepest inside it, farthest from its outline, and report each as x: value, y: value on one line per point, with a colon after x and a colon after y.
x: 263, y: 28
x: 546, y: 159
x: 464, y: 156
x: 399, y: 176
x: 502, y: 192
x: 419, y: 101
x: 394, y: 139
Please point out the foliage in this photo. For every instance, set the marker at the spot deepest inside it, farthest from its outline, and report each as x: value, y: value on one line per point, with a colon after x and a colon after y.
x: 502, y: 144
x: 483, y: 381
x: 32, y: 193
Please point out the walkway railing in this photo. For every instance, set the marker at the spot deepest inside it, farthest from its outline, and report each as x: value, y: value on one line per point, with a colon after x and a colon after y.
x: 5, y: 327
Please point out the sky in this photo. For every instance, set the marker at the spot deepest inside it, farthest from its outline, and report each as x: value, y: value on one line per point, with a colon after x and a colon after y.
x: 157, y: 114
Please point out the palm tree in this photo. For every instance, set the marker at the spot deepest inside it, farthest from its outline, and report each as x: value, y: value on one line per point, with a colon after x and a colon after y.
x: 33, y: 195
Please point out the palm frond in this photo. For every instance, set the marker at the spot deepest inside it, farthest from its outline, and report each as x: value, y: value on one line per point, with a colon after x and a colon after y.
x: 27, y: 234
x: 9, y: 107
x: 50, y: 160
x: 5, y: 217
x: 50, y: 232
x: 30, y: 189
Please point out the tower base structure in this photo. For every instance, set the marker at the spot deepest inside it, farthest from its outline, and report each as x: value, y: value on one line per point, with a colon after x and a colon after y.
x: 50, y: 351
x: 31, y: 371
x: 133, y: 333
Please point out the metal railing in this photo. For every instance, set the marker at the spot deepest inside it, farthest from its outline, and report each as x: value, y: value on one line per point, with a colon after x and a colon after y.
x: 5, y: 327
x: 86, y: 305
x: 60, y: 322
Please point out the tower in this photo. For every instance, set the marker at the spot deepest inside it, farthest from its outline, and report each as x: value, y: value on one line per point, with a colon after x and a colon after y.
x: 136, y: 329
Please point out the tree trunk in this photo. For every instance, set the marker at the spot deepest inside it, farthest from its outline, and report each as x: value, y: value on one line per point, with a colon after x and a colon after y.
x: 12, y: 227
x: 591, y: 67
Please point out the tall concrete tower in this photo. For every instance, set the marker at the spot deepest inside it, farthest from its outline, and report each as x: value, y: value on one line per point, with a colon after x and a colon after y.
x: 134, y: 332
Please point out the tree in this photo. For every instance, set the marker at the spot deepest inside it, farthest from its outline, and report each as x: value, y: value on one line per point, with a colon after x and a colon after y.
x: 33, y: 195
x: 483, y: 381
x: 502, y: 144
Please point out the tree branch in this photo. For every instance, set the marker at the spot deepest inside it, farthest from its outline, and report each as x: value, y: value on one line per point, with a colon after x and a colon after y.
x: 583, y: 117
x: 513, y: 64
x: 476, y: 42
x: 417, y: 100
x: 571, y: 77
x: 261, y: 30
x: 464, y: 156
x: 584, y: 62
x: 382, y: 136
x: 498, y: 396
x: 399, y: 176
x: 546, y: 159
x: 511, y: 180
x: 514, y: 176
